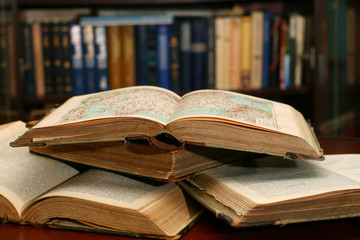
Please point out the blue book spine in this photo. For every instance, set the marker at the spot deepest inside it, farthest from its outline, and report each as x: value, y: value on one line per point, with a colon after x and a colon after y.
x: 199, y: 34
x: 141, y: 63
x: 211, y: 54
x: 77, y: 67
x: 185, y: 55
x: 152, y: 55
x: 89, y: 58
x: 57, y: 60
x: 163, y: 46
x: 266, y: 50
x: 46, y: 33
x: 66, y: 59
x: 101, y: 59
x: 29, y: 80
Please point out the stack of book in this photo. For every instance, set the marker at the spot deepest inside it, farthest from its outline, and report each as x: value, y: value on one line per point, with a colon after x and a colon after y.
x: 150, y: 160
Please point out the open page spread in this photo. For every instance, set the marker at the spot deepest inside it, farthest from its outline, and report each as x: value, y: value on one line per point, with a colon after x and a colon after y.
x: 164, y: 106
x: 274, y: 179
x: 111, y: 189
x: 148, y: 102
x: 237, y: 108
x: 25, y: 176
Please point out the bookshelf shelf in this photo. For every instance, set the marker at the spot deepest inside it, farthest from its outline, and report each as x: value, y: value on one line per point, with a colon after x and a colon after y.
x: 313, y: 98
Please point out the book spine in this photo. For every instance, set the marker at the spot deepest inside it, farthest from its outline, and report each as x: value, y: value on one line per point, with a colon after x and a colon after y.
x: 235, y: 29
x: 257, y: 23
x: 29, y: 80
x: 163, y: 43
x: 3, y: 62
x: 292, y: 48
x: 11, y: 59
x: 174, y: 56
x: 142, y: 66
x: 48, y: 58
x: 300, y: 43
x: 101, y: 59
x: 66, y: 60
x: 283, y: 30
x: 275, y: 51
x: 226, y: 52
x: 89, y: 58
x: 78, y: 79
x: 266, y: 50
x: 219, y: 52
x: 128, y: 61
x: 198, y: 53
x: 185, y: 54
x: 57, y: 60
x: 245, y: 49
x: 114, y: 56
x: 38, y: 59
x: 152, y: 55
x: 211, y: 54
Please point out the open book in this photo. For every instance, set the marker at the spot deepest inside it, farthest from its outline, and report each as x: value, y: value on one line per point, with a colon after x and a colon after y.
x: 276, y: 191
x: 40, y: 191
x: 211, y: 118
x: 140, y: 158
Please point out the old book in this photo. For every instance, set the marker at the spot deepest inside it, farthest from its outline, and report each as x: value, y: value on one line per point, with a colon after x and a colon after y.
x: 212, y: 118
x: 140, y: 158
x: 276, y: 191
x: 44, y: 192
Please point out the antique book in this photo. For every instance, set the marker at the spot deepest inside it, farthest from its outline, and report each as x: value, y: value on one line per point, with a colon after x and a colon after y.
x: 140, y: 158
x: 43, y: 192
x: 211, y: 118
x: 277, y: 191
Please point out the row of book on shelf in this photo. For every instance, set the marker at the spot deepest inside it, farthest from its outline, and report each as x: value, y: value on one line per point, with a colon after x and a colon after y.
x: 182, y: 52
x: 169, y: 161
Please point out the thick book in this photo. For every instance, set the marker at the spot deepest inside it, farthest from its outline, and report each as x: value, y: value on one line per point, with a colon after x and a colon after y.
x: 101, y: 56
x: 43, y: 192
x: 276, y: 191
x: 212, y: 118
x: 142, y: 159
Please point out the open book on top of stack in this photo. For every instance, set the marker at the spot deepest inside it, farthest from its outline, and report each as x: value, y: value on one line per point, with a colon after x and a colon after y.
x: 41, y: 191
x: 224, y: 122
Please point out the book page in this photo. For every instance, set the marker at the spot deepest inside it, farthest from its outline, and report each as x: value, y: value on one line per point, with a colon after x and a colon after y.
x: 111, y: 188
x: 25, y: 176
x: 238, y: 109
x: 273, y: 179
x: 148, y: 102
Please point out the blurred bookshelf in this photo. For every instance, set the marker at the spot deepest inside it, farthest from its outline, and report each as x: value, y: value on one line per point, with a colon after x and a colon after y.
x: 302, y: 53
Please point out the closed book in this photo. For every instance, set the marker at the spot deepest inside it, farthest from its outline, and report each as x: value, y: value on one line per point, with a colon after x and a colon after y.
x: 257, y: 40
x: 89, y: 58
x: 266, y: 50
x: 115, y: 52
x: 235, y: 30
x: 152, y: 55
x: 48, y: 54
x: 245, y: 49
x: 77, y: 65
x: 199, y: 35
x: 211, y: 54
x: 57, y: 60
x: 128, y: 56
x: 141, y: 64
x: 275, y: 51
x: 185, y: 54
x: 101, y: 56
x: 66, y: 59
x: 175, y: 56
x: 38, y: 59
x: 29, y: 80
x: 3, y: 63
x: 163, y: 48
x: 220, y: 81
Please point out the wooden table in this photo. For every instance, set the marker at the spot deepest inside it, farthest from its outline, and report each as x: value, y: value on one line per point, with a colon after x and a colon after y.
x: 211, y: 228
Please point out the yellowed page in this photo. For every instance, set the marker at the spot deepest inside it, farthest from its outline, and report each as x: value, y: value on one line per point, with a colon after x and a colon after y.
x: 147, y: 102
x: 25, y: 176
x: 274, y: 179
x: 239, y: 109
x: 111, y: 189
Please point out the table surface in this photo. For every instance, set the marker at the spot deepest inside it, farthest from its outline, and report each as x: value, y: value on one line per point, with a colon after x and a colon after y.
x: 209, y: 227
